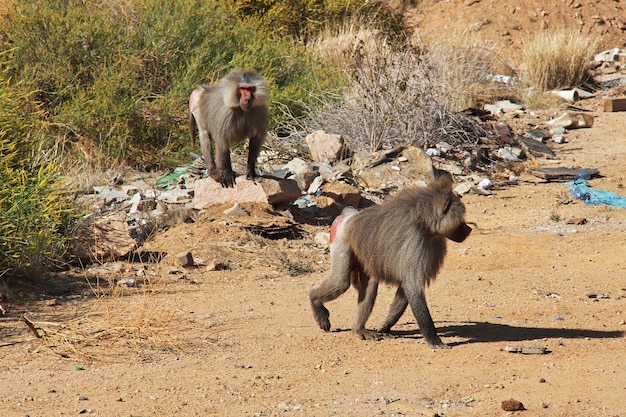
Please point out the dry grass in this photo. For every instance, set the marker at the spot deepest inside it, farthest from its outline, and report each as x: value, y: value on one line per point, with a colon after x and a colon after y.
x: 556, y: 60
x: 338, y: 46
x: 120, y: 322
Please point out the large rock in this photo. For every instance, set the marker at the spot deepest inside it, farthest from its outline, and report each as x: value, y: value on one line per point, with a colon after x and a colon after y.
x: 103, y: 240
x: 337, y: 195
x: 325, y: 147
x: 208, y: 192
x: 410, y: 166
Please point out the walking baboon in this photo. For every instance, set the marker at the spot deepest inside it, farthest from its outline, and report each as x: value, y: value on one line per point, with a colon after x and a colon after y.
x: 229, y: 112
x: 401, y: 242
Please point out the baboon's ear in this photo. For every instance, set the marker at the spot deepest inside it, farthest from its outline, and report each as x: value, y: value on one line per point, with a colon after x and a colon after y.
x: 443, y: 180
x: 440, y: 199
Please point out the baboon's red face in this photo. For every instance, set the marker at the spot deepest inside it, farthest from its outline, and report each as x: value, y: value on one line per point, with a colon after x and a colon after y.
x: 246, y: 96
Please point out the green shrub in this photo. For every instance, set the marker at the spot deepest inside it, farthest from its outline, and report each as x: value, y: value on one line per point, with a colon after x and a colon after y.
x: 34, y: 214
x: 301, y: 19
x: 114, y: 77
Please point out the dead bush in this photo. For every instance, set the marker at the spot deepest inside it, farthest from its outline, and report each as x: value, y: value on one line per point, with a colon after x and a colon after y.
x: 398, y: 94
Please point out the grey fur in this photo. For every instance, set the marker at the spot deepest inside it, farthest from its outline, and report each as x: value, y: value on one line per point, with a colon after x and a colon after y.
x: 217, y: 114
x: 401, y: 242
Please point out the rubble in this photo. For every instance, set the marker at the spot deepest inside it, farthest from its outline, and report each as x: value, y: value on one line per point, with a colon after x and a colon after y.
x: 334, y: 178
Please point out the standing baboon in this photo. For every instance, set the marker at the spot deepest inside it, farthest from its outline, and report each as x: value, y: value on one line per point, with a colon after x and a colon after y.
x: 402, y: 242
x: 229, y: 112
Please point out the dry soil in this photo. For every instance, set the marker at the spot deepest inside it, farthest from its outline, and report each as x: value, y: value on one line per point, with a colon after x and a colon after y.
x: 242, y: 341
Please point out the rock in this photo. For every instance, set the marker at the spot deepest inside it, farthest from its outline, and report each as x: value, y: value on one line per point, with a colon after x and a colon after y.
x: 185, y: 258
x: 305, y: 179
x: 177, y: 196
x: 323, y: 169
x: 323, y: 238
x: 444, y: 147
x: 337, y: 195
x: 297, y: 166
x: 216, y: 265
x: 283, y: 191
x: 325, y: 147
x: 236, y: 210
x: 130, y: 189
x: 103, y: 239
x: 463, y: 188
x: 452, y: 168
x: 512, y: 405
x: 209, y: 192
x: 412, y: 165
x: 504, y: 132
x: 502, y: 106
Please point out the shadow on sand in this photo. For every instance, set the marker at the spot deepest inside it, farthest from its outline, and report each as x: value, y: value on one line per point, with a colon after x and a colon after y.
x: 484, y: 332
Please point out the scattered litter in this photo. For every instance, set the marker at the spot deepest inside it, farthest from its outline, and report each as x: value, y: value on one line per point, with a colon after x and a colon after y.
x: 172, y: 178
x: 485, y: 184
x: 573, y: 95
x: 548, y: 294
x: 559, y: 319
x: 570, y: 96
x: 527, y: 350
x: 536, y: 147
x: 572, y: 120
x: 614, y: 104
x: 610, y: 55
x: 433, y: 152
x: 508, y: 155
x: 595, y: 295
x: 499, y: 78
x: 503, y: 106
x: 125, y: 282
x: 589, y: 196
x: 564, y: 174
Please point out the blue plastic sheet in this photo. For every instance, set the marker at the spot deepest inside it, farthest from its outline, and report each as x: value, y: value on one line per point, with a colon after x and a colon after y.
x: 588, y: 195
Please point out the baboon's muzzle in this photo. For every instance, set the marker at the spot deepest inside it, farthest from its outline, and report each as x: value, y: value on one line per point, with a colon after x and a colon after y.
x: 460, y: 233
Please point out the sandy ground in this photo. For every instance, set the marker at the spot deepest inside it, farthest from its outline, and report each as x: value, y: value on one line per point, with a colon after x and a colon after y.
x: 242, y: 341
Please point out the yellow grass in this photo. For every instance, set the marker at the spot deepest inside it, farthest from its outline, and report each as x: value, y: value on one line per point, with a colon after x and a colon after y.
x: 557, y: 60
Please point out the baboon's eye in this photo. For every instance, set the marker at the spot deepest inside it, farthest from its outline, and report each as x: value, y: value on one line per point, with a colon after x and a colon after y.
x: 446, y: 208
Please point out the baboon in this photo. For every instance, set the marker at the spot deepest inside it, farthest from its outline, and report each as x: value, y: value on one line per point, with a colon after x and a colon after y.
x: 401, y: 242
x: 229, y: 112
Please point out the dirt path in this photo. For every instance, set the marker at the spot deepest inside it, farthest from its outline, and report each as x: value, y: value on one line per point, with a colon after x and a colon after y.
x: 242, y: 342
